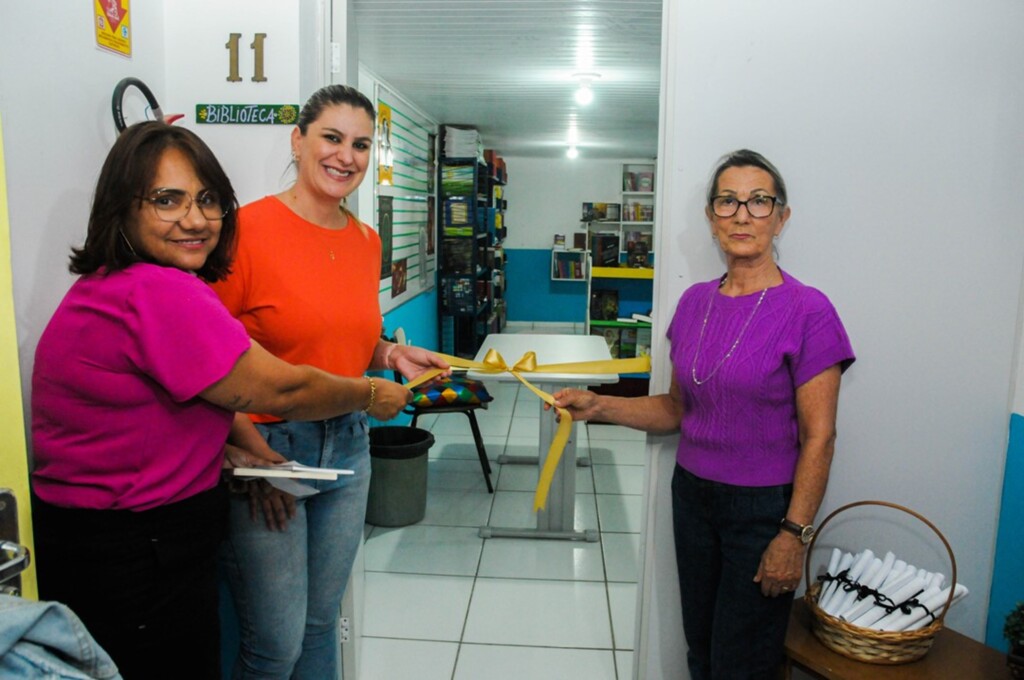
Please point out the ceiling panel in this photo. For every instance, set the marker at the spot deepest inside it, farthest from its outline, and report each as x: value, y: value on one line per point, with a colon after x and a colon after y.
x: 506, y: 67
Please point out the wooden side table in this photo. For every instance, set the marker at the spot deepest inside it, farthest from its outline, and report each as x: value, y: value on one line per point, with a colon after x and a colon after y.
x: 953, y: 656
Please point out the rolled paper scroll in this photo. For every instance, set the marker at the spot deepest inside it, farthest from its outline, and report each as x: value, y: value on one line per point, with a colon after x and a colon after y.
x: 915, y: 586
x: 854, y: 596
x: 862, y: 604
x: 889, y: 587
x: 959, y: 593
x: 897, y: 570
x: 859, y: 565
x: 830, y: 588
x: 899, y: 619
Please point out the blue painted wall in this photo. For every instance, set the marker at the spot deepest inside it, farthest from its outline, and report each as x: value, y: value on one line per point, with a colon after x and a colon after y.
x: 1008, y: 572
x: 533, y: 296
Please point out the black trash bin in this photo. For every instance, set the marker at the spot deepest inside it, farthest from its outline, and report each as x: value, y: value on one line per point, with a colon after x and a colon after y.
x: 398, y: 483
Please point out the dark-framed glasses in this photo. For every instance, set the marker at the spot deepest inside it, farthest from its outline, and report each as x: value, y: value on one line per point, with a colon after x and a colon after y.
x: 171, y: 205
x: 757, y: 206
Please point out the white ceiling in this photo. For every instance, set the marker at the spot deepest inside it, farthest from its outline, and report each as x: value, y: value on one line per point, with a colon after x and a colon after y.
x: 506, y: 66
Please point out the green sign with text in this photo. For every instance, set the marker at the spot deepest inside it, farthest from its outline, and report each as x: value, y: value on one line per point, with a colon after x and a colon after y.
x: 247, y: 114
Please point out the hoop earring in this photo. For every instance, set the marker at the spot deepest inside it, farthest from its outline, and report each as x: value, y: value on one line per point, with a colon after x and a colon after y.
x: 127, y: 243
x: 775, y: 247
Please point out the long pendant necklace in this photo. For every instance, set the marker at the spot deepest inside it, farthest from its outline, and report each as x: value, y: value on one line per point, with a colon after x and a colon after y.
x: 700, y: 340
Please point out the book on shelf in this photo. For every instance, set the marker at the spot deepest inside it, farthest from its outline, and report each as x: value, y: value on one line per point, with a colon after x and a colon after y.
x: 642, y: 317
x: 579, y: 240
x: 604, y: 304
x: 637, y: 254
x: 628, y: 181
x: 604, y: 247
x: 559, y: 242
x: 291, y: 470
x: 626, y: 319
x: 627, y: 343
x: 596, y: 212
x: 611, y: 337
x: 645, y: 181
x: 643, y: 342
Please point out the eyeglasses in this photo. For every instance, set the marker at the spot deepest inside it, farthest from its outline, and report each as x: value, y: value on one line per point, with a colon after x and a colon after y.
x: 757, y: 206
x: 171, y: 205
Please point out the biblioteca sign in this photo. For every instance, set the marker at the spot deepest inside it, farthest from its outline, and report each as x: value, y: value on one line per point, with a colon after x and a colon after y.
x: 247, y: 114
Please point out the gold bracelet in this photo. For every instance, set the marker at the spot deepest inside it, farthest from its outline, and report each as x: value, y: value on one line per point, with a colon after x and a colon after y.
x: 373, y: 393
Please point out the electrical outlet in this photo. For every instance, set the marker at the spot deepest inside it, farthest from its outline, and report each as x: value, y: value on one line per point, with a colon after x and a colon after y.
x: 345, y: 628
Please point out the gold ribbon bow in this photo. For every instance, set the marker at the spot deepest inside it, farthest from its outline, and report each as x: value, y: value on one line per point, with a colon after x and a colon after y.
x: 494, y: 363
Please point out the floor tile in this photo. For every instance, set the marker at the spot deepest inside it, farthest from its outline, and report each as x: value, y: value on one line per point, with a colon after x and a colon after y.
x: 457, y: 475
x: 457, y: 423
x: 624, y: 479
x: 542, y: 613
x: 463, y: 447
x: 624, y: 664
x: 621, y: 556
x: 515, y: 509
x: 420, y: 549
x: 523, y: 426
x: 542, y: 559
x: 618, y: 513
x: 416, y: 607
x: 622, y: 599
x: 614, y: 433
x: 458, y: 508
x: 495, y: 662
x: 523, y: 477
x: 406, y: 659
x: 618, y: 452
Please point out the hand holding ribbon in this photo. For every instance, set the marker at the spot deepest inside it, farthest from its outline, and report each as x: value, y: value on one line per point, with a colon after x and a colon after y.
x: 494, y: 363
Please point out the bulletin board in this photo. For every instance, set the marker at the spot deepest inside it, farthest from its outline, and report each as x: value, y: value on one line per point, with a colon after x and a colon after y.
x: 405, y: 152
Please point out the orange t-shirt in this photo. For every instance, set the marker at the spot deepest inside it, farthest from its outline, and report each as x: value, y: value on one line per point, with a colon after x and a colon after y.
x: 308, y: 295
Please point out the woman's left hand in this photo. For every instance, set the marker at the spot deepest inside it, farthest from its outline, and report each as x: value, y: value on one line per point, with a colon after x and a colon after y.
x: 781, y: 566
x: 411, y: 361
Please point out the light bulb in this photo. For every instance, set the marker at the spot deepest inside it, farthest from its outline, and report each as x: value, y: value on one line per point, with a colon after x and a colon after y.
x: 572, y: 152
x: 584, y: 95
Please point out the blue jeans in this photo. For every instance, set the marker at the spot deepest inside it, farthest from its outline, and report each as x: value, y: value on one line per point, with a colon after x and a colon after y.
x: 733, y: 631
x: 287, y: 586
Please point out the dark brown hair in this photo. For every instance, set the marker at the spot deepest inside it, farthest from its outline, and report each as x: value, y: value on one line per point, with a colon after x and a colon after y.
x: 126, y: 175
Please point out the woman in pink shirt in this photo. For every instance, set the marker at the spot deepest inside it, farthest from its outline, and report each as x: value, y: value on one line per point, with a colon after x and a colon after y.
x: 136, y: 381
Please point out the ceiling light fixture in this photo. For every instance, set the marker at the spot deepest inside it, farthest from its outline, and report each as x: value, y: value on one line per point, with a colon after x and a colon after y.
x: 572, y: 152
x: 584, y: 95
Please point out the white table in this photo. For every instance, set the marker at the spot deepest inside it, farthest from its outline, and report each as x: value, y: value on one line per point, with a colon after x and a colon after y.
x: 558, y: 519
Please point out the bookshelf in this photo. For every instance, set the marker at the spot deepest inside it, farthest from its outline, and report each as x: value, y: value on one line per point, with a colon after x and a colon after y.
x: 471, y: 271
x: 569, y: 265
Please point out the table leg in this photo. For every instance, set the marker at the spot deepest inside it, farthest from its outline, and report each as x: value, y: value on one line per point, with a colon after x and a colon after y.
x: 558, y: 519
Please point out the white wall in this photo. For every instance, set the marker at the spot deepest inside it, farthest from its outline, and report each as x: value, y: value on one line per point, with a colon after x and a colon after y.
x: 898, y: 129
x: 545, y: 196
x: 55, y: 92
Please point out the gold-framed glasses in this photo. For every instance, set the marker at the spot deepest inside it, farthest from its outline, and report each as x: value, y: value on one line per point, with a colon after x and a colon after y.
x: 757, y: 206
x: 171, y: 205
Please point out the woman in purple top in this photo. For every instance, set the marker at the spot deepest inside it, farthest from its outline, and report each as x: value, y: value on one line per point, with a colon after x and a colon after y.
x: 136, y: 381
x: 756, y: 364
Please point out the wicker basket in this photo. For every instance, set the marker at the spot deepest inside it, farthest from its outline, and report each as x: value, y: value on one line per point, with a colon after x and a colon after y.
x: 864, y: 644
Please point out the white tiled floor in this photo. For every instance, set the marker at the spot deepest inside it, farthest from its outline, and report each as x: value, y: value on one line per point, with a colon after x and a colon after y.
x: 442, y: 603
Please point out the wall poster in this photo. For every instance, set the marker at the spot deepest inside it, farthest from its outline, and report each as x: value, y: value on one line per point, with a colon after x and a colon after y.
x: 405, y: 197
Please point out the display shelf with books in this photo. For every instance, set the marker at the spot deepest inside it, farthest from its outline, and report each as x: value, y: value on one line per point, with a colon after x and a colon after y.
x: 568, y: 265
x: 471, y: 277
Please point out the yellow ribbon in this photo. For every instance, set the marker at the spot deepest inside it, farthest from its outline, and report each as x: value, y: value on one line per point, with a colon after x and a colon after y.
x: 494, y: 363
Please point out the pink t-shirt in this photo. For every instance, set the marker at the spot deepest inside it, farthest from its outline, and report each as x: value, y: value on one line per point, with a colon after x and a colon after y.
x: 116, y: 423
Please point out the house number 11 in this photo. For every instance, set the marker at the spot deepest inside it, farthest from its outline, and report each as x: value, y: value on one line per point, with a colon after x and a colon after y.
x: 257, y: 49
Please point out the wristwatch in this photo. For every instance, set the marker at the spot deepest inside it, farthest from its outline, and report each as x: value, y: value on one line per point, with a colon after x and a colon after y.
x: 805, y: 532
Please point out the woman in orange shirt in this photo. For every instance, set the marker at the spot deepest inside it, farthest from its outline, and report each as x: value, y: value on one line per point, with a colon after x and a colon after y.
x: 305, y: 285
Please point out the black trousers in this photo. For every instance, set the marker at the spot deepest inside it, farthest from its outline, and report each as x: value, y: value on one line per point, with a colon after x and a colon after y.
x: 143, y: 583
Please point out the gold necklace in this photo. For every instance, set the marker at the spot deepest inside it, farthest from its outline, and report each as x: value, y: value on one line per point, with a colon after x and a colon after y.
x: 700, y: 340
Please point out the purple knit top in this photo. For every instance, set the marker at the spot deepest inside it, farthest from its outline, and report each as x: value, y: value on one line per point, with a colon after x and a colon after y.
x: 740, y: 426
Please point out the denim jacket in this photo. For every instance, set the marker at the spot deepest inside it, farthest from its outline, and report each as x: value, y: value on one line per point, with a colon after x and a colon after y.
x: 47, y: 640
